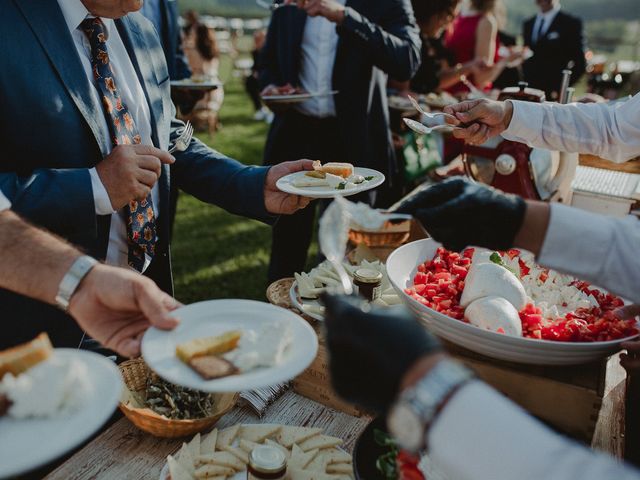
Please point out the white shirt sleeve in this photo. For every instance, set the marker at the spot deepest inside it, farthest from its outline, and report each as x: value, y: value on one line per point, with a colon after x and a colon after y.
x: 608, y: 131
x: 481, y: 435
x: 5, y: 204
x: 101, y: 198
x: 600, y: 249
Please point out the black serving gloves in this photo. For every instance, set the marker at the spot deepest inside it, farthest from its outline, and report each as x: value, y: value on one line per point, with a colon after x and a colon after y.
x: 370, y: 349
x: 459, y: 213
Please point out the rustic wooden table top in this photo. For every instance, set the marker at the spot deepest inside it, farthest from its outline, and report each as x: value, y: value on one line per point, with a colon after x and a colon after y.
x: 123, y: 452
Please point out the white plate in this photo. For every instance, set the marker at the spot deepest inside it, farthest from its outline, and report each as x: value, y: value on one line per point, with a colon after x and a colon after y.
x: 296, y: 301
x: 284, y: 184
x: 295, y: 97
x: 32, y: 443
x: 402, y: 266
x: 215, y: 317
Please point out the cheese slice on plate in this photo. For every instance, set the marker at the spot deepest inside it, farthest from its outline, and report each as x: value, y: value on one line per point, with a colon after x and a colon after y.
x: 300, y: 459
x: 177, y: 471
x: 304, y: 181
x: 290, y: 435
x: 223, y: 459
x: 320, y: 441
x: 209, y: 471
x: 247, y: 445
x: 208, y: 442
x: 241, y: 454
x: 186, y: 460
x: 257, y: 433
x: 226, y: 437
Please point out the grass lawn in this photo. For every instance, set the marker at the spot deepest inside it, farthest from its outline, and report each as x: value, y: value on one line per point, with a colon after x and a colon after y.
x: 216, y: 254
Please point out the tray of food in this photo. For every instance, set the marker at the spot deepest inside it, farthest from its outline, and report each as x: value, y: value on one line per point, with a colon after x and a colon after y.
x: 51, y: 400
x: 307, y: 287
x: 330, y: 180
x: 231, y: 346
x: 504, y: 305
x: 300, y: 453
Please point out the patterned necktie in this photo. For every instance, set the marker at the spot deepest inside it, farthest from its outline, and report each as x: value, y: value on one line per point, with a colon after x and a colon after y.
x: 140, y: 219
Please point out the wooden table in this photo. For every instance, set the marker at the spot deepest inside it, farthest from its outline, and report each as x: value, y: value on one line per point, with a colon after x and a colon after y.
x: 124, y: 452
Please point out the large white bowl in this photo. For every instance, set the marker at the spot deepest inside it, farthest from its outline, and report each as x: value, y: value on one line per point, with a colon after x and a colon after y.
x: 402, y: 266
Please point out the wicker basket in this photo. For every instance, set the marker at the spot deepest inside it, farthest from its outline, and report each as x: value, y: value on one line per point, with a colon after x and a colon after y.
x: 391, y: 235
x: 135, y: 374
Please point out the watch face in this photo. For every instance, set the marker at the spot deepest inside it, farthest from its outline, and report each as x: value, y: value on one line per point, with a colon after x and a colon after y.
x: 406, y: 427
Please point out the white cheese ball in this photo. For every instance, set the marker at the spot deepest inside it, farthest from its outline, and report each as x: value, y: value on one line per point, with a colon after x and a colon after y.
x: 493, y: 313
x: 489, y: 279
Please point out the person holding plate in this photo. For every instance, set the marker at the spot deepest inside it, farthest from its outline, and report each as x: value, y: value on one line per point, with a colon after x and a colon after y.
x: 87, y: 121
x: 322, y: 46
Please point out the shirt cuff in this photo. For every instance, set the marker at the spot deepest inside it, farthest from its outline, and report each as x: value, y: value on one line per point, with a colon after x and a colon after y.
x: 526, y: 122
x: 5, y: 204
x: 588, y: 235
x: 101, y: 198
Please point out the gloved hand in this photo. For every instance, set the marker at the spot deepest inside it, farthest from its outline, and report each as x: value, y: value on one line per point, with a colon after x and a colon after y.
x: 371, y: 349
x: 459, y: 213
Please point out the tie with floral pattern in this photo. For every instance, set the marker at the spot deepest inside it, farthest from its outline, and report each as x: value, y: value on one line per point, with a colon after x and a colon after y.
x: 141, y: 222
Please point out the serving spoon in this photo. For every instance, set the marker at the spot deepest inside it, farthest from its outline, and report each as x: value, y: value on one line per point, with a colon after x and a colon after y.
x: 424, y: 130
x: 430, y: 115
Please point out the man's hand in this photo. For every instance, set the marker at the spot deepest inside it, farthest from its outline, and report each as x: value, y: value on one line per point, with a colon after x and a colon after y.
x: 329, y: 9
x: 459, y: 213
x: 116, y: 306
x: 373, y: 351
x: 485, y: 119
x: 278, y: 202
x: 129, y: 172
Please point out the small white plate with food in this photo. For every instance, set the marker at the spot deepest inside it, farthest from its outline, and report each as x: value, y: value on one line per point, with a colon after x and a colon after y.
x: 308, y: 453
x: 56, y: 399
x: 331, y: 180
x: 231, y: 346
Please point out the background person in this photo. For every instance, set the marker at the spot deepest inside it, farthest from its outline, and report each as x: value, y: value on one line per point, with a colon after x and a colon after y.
x: 324, y: 46
x: 557, y: 41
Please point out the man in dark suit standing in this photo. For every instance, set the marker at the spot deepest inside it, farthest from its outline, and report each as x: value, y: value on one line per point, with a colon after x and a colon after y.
x: 324, y: 45
x: 87, y: 120
x: 557, y: 41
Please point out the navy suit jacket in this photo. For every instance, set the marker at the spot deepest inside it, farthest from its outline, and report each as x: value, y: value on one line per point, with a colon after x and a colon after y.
x: 377, y: 37
x: 562, y: 43
x: 51, y: 136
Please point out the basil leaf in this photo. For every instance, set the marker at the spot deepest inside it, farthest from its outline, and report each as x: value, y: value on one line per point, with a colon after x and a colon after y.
x: 369, y: 178
x: 341, y: 186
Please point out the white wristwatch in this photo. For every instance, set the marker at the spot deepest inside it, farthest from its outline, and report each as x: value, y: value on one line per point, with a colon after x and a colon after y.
x: 69, y: 283
x: 417, y: 407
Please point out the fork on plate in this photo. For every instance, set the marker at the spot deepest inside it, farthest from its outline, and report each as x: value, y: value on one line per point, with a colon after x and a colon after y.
x: 183, y: 141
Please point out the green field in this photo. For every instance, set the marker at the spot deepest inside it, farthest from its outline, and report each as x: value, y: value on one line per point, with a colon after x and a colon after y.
x: 216, y: 254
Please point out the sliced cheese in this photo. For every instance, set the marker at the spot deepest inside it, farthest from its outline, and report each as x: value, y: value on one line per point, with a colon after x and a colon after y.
x: 177, y: 471
x: 210, y: 471
x: 208, y: 442
x: 319, y: 463
x: 300, y: 459
x: 258, y: 433
x: 194, y: 446
x: 226, y: 437
x: 290, y: 435
x: 186, y: 460
x: 320, y: 441
x: 222, y: 459
x: 242, y: 455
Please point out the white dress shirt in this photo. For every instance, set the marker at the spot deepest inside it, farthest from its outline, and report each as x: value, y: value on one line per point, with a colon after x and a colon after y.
x: 481, y: 435
x: 545, y: 19
x: 5, y: 204
x: 133, y: 96
x: 319, y: 44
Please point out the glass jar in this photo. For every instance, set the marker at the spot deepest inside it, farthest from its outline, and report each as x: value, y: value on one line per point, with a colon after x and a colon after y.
x: 368, y: 283
x: 266, y: 463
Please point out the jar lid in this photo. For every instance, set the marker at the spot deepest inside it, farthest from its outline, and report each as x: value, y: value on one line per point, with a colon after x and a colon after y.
x: 267, y: 459
x: 367, y: 275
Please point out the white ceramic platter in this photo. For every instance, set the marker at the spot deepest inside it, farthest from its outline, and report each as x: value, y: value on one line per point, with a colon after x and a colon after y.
x: 402, y: 266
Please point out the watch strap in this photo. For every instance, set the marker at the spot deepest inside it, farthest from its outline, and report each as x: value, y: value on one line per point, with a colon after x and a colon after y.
x: 71, y: 280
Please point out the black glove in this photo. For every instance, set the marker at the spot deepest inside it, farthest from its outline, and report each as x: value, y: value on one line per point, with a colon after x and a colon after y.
x: 370, y: 349
x: 459, y: 213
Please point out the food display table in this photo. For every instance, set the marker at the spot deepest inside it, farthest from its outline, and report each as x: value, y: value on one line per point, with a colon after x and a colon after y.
x: 125, y: 453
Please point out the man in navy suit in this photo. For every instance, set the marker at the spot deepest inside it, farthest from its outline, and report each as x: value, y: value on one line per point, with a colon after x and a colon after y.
x: 86, y: 122
x: 557, y: 41
x: 324, y: 45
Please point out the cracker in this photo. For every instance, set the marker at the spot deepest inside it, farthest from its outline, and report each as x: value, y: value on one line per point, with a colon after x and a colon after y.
x: 208, y: 442
x: 242, y: 455
x: 194, y: 446
x: 209, y: 471
x: 222, y: 459
x: 344, y: 468
x: 226, y: 437
x: 300, y: 459
x: 320, y: 441
x: 290, y: 435
x: 186, y: 460
x: 258, y: 433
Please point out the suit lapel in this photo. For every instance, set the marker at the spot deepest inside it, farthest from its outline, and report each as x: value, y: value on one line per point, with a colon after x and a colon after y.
x: 48, y: 24
x: 552, y: 26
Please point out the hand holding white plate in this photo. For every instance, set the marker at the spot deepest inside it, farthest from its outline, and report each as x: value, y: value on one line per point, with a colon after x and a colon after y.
x: 215, y: 317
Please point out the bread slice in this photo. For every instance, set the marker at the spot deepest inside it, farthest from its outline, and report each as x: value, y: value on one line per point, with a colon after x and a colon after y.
x: 22, y: 357
x: 343, y: 170
x: 208, y: 346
